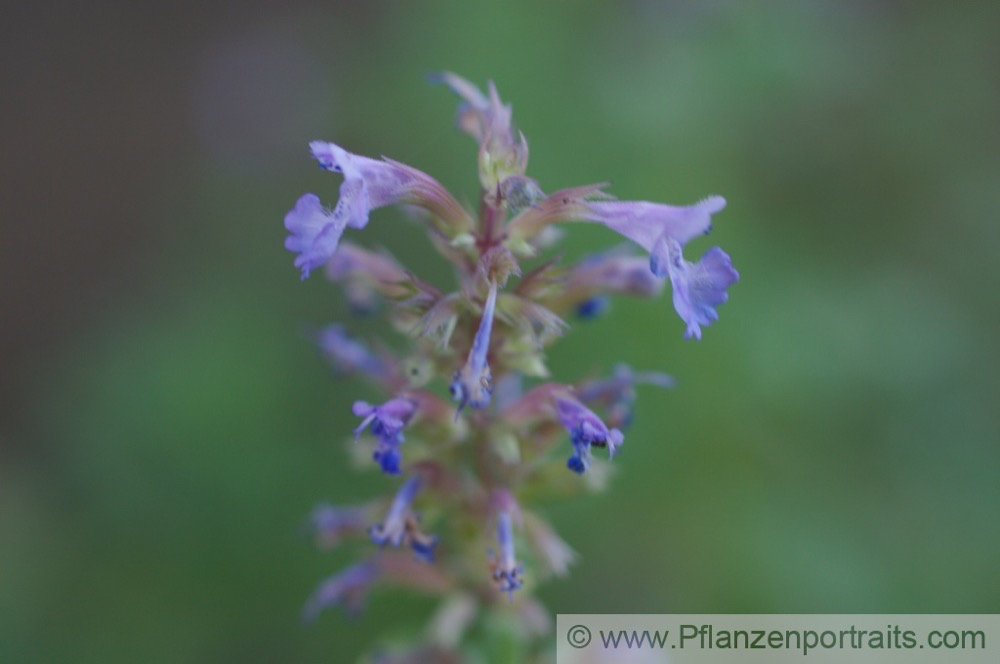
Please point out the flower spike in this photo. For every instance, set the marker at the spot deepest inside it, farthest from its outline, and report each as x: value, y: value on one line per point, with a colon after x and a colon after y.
x: 490, y: 349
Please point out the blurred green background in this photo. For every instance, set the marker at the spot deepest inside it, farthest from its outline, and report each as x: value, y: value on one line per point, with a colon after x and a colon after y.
x: 165, y: 425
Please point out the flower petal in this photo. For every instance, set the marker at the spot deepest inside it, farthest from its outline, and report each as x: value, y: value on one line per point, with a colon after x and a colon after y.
x: 314, y: 233
x: 349, y: 587
x: 700, y: 287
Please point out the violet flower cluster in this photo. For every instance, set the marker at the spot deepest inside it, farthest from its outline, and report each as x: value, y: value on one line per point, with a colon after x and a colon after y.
x: 471, y: 422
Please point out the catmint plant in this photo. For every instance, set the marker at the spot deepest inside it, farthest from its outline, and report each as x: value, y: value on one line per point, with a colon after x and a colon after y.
x: 472, y: 429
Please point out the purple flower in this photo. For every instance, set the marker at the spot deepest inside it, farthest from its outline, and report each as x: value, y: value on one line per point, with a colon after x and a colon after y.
x: 368, y: 183
x: 314, y: 231
x: 472, y: 383
x: 660, y: 229
x: 699, y: 287
x: 554, y: 555
x: 647, y: 224
x: 651, y: 225
x: 621, y: 382
x: 387, y: 420
x: 614, y: 272
x: 617, y: 393
x: 401, y: 526
x: 330, y: 523
x: 347, y: 354
x: 365, y: 273
x: 594, y: 307
x: 386, y: 423
x: 349, y: 587
x: 591, y: 280
x: 586, y: 430
x: 504, y: 568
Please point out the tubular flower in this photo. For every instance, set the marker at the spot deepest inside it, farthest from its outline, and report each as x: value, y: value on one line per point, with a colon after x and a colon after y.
x: 605, y: 273
x: 368, y: 184
x: 652, y: 225
x: 346, y: 354
x: 555, y: 556
x: 617, y: 393
x: 365, y: 275
x: 586, y: 430
x: 660, y: 229
x: 472, y: 384
x: 330, y: 524
x: 386, y: 423
x: 349, y: 587
x: 401, y: 527
x: 589, y: 283
x: 483, y: 340
x: 505, y: 569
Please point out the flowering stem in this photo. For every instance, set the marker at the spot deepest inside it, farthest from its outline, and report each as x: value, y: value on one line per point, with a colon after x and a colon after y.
x: 468, y: 484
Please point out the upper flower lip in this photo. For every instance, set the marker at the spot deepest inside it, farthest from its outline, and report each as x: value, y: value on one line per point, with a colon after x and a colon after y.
x: 644, y: 222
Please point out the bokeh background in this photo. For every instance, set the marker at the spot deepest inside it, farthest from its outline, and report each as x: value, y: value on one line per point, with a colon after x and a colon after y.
x: 834, y: 441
